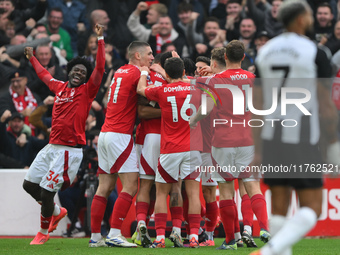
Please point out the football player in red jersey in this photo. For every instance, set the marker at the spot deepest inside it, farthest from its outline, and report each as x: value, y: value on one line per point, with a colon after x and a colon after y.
x: 57, y: 164
x: 232, y: 145
x: 116, y: 151
x: 176, y: 160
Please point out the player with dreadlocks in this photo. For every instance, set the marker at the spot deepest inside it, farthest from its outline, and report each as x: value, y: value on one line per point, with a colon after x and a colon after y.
x: 56, y: 165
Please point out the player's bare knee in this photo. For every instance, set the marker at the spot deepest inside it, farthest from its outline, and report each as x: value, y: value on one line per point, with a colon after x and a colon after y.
x: 209, y: 193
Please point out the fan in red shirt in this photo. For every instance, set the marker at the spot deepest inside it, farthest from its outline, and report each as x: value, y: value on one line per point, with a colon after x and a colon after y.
x: 176, y: 159
x: 57, y: 164
x: 116, y: 151
x: 232, y: 146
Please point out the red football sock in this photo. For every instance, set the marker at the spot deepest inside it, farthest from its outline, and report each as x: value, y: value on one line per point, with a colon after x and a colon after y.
x: 203, y: 210
x: 247, y: 212
x: 185, y: 212
x: 160, y: 223
x: 120, y: 209
x: 142, y: 209
x: 176, y: 216
x: 259, y: 206
x: 194, y: 223
x: 97, y: 213
x: 227, y: 212
x: 236, y: 222
x: 211, y: 216
x: 150, y: 211
x: 45, y: 221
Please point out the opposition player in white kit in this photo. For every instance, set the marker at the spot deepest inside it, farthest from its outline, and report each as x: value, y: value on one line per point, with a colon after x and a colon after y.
x: 116, y: 151
x: 292, y: 61
x: 57, y: 164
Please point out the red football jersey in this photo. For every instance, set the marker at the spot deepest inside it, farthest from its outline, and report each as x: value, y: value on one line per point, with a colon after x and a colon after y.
x: 150, y: 126
x: 196, y: 143
x: 122, y: 101
x: 235, y: 131
x: 174, y: 101
x: 72, y: 105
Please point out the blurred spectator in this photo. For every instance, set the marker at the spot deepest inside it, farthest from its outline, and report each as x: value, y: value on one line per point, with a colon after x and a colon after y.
x: 233, y: 19
x: 97, y: 17
x: 19, y: 17
x: 91, y: 49
x: 74, y: 21
x: 166, y: 47
x: 188, y: 26
x: 271, y: 24
x: 3, y: 21
x: 112, y: 57
x: 9, y: 162
x: 198, y: 7
x: 55, y: 18
x: 261, y: 39
x: 44, y: 55
x: 333, y: 3
x: 333, y: 43
x: 220, y: 10
x: 142, y: 32
x: 323, y: 25
x: 163, y: 32
x: 119, y: 14
x: 257, y: 10
x: 248, y: 32
x: 15, y: 51
x: 60, y: 60
x: 10, y: 29
x: 19, y: 98
x: 213, y: 36
x: 19, y: 145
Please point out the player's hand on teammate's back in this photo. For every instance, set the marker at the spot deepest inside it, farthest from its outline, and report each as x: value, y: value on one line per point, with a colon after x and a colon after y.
x: 28, y: 52
x: 145, y: 68
x: 99, y: 29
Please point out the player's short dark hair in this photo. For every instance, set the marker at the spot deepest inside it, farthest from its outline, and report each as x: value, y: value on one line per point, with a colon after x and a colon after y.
x: 184, y: 7
x: 189, y: 66
x: 203, y: 59
x: 136, y: 46
x: 157, y: 58
x: 290, y: 9
x: 235, y: 51
x: 80, y: 61
x: 217, y: 54
x: 164, y: 57
x: 174, y: 67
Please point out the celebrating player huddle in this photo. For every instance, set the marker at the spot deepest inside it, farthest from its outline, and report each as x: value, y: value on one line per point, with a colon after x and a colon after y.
x: 174, y: 139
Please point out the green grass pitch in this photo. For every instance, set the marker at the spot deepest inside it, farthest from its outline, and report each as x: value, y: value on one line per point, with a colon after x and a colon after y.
x: 69, y: 246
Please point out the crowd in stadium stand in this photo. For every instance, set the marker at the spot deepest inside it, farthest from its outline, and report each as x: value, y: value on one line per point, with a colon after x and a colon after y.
x: 59, y: 30
x: 62, y: 29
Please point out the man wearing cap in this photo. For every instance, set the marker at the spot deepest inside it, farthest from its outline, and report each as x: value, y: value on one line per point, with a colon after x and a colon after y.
x: 15, y: 139
x: 19, y: 98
